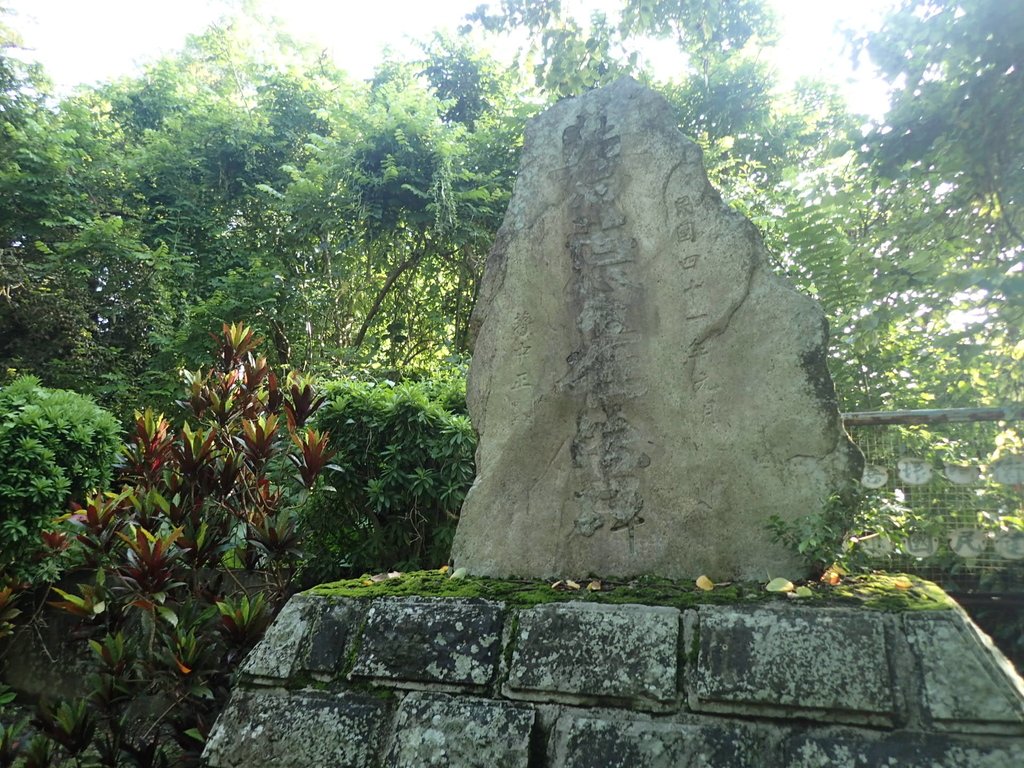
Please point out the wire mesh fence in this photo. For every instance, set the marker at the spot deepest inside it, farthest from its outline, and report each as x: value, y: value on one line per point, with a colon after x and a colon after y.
x: 944, y: 494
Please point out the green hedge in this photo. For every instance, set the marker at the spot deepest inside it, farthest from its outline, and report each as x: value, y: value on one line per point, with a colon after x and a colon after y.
x: 55, y: 446
x: 404, y: 464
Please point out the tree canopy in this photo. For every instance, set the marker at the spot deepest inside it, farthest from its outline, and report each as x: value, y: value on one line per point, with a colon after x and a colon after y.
x: 247, y: 178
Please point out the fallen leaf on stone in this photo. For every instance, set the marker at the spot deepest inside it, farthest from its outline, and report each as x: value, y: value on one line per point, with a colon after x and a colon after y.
x: 703, y: 582
x: 803, y: 592
x: 458, y: 573
x: 571, y: 584
x: 558, y: 585
x: 443, y: 569
x: 394, y: 574
x: 902, y: 583
x: 594, y: 586
x: 779, y: 584
x: 830, y: 577
x: 379, y: 577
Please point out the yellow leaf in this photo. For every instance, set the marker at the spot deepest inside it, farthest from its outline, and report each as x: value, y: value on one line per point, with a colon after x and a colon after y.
x: 830, y: 577
x: 703, y: 582
x: 367, y: 583
x: 594, y: 586
x: 902, y: 582
x: 558, y: 585
x: 571, y: 584
x: 443, y: 569
x: 779, y: 584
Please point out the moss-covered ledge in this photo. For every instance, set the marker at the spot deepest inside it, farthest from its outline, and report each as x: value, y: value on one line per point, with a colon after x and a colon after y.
x: 876, y: 591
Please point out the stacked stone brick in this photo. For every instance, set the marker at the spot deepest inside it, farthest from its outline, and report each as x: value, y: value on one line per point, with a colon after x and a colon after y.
x: 413, y: 682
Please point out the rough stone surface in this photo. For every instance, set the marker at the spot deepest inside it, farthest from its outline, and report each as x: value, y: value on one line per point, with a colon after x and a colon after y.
x: 585, y: 742
x: 441, y: 731
x: 825, y: 664
x: 297, y: 730
x: 459, y: 682
x: 46, y: 659
x: 900, y: 750
x: 641, y: 381
x: 579, y: 652
x: 275, y: 657
x: 330, y: 636
x: 422, y: 640
x: 968, y: 686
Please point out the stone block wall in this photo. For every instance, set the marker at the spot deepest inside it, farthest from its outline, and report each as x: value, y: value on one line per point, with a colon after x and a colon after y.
x: 413, y: 682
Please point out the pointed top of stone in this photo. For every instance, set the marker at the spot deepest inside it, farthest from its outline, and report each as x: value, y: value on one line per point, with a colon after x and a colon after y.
x: 646, y: 391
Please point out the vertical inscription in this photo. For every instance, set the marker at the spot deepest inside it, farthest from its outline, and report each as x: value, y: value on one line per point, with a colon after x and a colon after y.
x: 685, y: 232
x: 605, y: 288
x: 701, y: 383
x: 521, y: 346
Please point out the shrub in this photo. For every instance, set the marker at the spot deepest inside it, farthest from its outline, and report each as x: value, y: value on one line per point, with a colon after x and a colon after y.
x: 188, y: 560
x: 404, y: 464
x: 55, y: 445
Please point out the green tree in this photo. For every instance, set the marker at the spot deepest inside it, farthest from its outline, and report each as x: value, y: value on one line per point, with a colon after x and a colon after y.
x: 953, y: 143
x: 79, y: 291
x: 913, y: 243
x: 389, y: 219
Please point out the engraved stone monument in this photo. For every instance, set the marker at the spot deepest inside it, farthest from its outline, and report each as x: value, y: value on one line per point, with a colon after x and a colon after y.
x: 647, y: 392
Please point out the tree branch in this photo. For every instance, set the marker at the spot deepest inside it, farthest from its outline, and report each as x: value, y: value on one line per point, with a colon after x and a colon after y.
x: 399, y: 269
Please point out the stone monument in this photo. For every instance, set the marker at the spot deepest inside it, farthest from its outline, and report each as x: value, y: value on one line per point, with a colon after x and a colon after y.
x: 647, y: 392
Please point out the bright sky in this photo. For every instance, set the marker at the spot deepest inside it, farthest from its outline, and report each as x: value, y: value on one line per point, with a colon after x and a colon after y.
x: 86, y: 42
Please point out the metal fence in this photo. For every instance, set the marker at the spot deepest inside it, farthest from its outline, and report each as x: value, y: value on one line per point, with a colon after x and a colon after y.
x: 944, y: 494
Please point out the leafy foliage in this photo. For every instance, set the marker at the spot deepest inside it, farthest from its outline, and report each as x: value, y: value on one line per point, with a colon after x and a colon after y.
x: 924, y: 220
x: 55, y: 446
x: 188, y: 561
x: 404, y: 465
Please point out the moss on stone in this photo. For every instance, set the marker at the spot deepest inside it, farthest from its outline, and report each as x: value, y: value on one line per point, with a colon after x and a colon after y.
x: 353, y: 651
x: 878, y: 591
x: 894, y: 592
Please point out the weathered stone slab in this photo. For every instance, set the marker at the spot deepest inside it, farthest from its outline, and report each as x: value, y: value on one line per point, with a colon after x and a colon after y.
x: 430, y: 641
x: 902, y: 749
x: 968, y: 686
x: 333, y: 629
x: 579, y: 652
x: 605, y: 682
x: 641, y: 381
x: 818, y: 663
x: 297, y: 730
x: 586, y: 742
x: 276, y: 656
x: 438, y: 730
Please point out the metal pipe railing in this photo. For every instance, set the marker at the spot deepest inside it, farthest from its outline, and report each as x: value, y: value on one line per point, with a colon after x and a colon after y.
x: 933, y: 416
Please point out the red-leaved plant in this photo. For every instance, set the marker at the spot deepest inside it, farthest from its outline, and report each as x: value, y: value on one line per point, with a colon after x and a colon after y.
x: 190, y: 559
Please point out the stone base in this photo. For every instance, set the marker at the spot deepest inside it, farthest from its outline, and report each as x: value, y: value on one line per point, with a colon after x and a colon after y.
x: 412, y: 682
